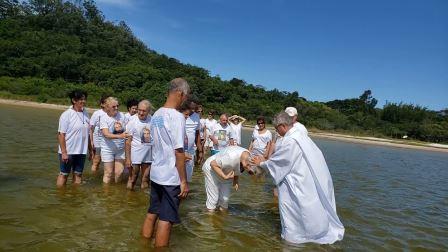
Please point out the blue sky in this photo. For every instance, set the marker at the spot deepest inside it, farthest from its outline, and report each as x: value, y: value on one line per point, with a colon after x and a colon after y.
x: 325, y: 50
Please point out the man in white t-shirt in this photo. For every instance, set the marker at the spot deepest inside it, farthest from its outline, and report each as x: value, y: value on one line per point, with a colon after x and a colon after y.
x: 193, y: 140
x: 209, y: 124
x: 236, y: 123
x: 138, y: 145
x: 221, y: 135
x: 168, y: 176
x: 73, y: 138
x: 202, y: 135
x: 292, y: 112
x: 220, y: 171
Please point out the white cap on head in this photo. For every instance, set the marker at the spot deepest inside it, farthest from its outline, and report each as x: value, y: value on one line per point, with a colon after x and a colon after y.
x: 291, y: 111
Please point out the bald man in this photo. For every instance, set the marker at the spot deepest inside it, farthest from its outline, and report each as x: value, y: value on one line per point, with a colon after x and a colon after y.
x: 221, y: 135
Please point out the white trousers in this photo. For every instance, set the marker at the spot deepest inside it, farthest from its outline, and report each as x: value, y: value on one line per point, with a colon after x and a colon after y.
x: 218, y: 190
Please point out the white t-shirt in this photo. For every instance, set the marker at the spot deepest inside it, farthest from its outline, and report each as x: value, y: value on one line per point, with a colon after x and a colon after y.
x: 223, y: 135
x: 140, y: 132
x: 168, y: 134
x: 95, y: 122
x: 209, y: 124
x: 192, y: 124
x: 116, y: 125
x: 229, y: 159
x: 260, y: 141
x: 237, y: 132
x: 76, y: 126
x: 301, y: 128
x: 127, y: 117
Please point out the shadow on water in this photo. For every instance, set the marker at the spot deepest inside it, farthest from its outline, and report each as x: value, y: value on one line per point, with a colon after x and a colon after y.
x: 388, y: 199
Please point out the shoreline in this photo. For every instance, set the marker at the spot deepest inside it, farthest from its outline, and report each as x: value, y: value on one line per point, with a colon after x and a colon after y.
x: 331, y: 136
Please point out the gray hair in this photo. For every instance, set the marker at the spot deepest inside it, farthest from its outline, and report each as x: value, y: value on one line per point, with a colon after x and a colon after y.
x: 179, y: 84
x: 282, y: 118
x: 109, y: 100
x: 147, y: 104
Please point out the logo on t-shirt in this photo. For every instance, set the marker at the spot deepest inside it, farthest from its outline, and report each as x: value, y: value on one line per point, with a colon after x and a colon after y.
x: 118, y: 128
x: 146, y: 136
x: 222, y: 135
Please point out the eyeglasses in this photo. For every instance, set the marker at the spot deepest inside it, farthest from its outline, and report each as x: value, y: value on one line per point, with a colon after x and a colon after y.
x: 259, y: 123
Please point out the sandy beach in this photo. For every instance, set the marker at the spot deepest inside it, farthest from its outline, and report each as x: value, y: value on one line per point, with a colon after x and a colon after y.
x: 409, y: 144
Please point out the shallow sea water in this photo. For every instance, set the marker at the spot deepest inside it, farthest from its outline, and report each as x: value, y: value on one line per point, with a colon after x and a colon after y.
x: 387, y: 198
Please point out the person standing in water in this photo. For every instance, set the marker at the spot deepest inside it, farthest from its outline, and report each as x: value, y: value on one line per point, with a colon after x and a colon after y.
x: 261, y: 139
x: 96, y: 135
x: 203, y: 136
x: 192, y: 137
x: 112, y: 145
x: 221, y: 172
x: 138, y: 145
x: 168, y: 176
x: 209, y: 124
x: 73, y: 138
x: 305, y: 189
x: 236, y: 123
x: 221, y: 135
x: 292, y: 112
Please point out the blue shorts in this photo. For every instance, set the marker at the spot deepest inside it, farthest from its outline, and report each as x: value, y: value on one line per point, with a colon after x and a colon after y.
x: 165, y: 202
x: 75, y: 163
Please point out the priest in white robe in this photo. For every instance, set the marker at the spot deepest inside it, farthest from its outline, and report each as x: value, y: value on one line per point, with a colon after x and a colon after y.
x: 305, y: 190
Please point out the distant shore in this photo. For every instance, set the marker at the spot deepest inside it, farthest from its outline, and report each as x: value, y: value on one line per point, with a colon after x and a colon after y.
x: 409, y: 144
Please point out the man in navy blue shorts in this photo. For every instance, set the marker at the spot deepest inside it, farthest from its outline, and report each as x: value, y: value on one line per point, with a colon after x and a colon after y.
x: 168, y: 176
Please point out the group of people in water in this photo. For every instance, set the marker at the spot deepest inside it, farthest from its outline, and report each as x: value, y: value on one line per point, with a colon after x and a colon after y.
x: 162, y: 148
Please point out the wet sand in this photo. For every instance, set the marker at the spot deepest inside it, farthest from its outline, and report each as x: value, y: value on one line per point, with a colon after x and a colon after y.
x: 409, y: 144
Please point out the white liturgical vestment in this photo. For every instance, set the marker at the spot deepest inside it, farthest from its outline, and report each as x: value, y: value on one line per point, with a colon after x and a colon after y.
x: 305, y: 191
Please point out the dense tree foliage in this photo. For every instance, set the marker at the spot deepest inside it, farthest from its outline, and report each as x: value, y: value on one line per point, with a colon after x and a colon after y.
x: 49, y: 47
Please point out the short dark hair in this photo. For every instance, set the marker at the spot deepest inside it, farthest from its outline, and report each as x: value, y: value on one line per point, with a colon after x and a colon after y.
x: 131, y: 103
x: 77, y: 95
x: 184, y: 106
x: 103, y: 98
x: 261, y: 118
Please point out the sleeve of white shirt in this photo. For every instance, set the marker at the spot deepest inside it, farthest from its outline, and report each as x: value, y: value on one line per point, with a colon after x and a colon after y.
x: 103, y: 123
x: 129, y: 126
x: 63, y: 123
x: 177, y: 126
x: 93, y: 119
x: 269, y: 136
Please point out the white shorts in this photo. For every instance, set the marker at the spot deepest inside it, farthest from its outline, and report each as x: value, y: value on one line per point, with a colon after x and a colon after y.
x: 141, y: 155
x: 96, y: 141
x: 218, y: 190
x: 108, y: 155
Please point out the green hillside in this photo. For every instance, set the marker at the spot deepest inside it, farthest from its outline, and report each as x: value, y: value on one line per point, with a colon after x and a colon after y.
x: 51, y: 47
